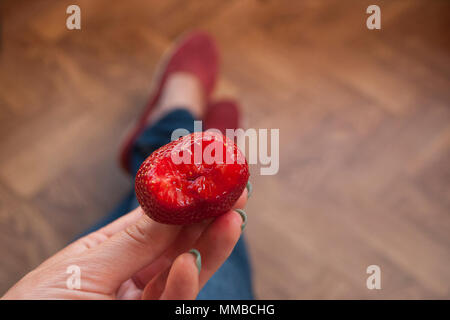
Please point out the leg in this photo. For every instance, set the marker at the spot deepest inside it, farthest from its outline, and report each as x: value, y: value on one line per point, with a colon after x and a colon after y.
x: 181, y: 101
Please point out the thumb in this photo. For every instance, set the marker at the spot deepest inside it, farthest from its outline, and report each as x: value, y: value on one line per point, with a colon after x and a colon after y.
x: 118, y: 258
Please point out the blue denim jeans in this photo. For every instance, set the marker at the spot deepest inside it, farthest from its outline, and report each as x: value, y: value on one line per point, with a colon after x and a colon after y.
x: 233, y: 279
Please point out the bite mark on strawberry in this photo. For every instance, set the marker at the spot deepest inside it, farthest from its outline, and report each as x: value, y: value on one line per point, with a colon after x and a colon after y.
x: 183, y: 192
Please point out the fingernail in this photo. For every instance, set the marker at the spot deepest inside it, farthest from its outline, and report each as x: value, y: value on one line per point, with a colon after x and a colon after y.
x: 249, y: 189
x: 243, y: 216
x: 198, y: 258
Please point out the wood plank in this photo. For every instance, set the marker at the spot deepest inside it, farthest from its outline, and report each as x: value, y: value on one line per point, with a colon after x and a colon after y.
x: 363, y: 118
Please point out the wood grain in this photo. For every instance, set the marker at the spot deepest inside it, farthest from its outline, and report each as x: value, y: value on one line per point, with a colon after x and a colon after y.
x: 364, y: 123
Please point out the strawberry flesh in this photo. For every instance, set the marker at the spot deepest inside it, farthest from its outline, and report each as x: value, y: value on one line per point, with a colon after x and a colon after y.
x: 196, y: 177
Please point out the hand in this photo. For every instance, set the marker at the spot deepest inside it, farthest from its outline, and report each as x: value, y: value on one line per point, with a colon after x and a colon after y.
x: 135, y: 257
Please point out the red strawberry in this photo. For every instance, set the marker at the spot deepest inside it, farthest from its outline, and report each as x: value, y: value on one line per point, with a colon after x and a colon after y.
x: 198, y: 176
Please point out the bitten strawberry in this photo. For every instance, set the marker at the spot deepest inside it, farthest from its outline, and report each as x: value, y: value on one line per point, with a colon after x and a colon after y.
x: 198, y: 176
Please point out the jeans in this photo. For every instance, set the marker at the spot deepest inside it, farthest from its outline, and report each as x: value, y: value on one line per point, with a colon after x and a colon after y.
x: 233, y: 279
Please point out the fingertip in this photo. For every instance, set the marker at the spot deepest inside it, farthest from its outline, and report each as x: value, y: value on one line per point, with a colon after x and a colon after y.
x: 249, y: 189
x: 228, y: 227
x: 232, y: 219
x: 183, y: 280
x: 198, y: 259
x: 187, y: 263
x: 243, y: 217
x: 242, y: 201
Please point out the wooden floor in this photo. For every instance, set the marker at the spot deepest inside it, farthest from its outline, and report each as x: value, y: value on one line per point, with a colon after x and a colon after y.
x: 364, y: 119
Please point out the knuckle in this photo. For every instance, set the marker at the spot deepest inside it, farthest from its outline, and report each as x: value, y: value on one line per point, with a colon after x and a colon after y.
x: 138, y: 232
x: 93, y: 239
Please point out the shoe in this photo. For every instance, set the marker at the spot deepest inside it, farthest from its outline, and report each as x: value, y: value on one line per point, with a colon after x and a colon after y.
x: 222, y: 115
x: 194, y: 53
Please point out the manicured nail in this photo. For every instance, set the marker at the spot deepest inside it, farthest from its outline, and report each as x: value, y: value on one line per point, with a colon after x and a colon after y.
x: 243, y: 216
x: 198, y: 258
x: 249, y: 189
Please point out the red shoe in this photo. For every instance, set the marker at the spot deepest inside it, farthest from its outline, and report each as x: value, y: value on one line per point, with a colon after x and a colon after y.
x: 195, y: 53
x: 222, y: 115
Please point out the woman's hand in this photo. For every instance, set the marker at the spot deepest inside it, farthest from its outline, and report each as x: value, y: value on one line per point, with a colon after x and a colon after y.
x: 135, y: 257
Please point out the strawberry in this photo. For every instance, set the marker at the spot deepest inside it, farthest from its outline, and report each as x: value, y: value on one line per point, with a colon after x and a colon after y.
x: 196, y: 177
